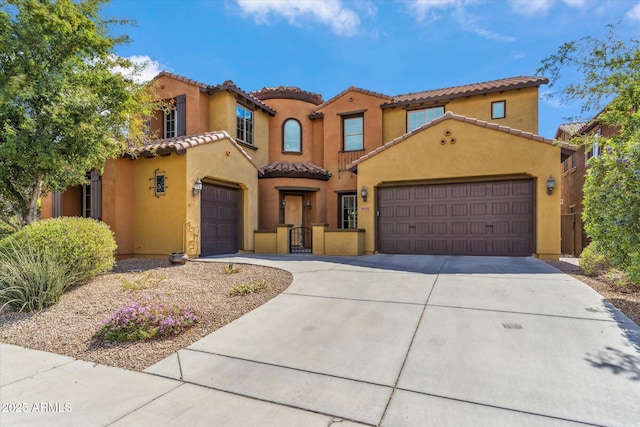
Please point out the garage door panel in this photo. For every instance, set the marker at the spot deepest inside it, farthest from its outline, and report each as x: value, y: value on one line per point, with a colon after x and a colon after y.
x: 219, y: 220
x: 491, y: 218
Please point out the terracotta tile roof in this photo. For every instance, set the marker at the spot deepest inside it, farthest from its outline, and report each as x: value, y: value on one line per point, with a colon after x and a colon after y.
x: 294, y: 169
x: 353, y: 89
x: 569, y: 128
x: 287, y: 92
x: 566, y: 149
x: 466, y: 90
x: 181, y: 144
x: 227, y: 85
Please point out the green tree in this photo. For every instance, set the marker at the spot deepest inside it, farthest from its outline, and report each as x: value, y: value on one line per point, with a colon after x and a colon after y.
x: 608, y: 72
x: 64, y: 106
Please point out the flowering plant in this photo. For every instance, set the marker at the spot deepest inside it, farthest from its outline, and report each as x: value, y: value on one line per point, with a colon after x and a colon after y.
x: 146, y: 318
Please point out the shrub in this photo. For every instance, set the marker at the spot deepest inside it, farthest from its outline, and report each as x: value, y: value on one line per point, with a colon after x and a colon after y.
x: 144, y: 319
x: 231, y: 269
x: 592, y: 262
x: 31, y: 279
x: 617, y: 278
x: 248, y: 288
x: 85, y: 245
x: 141, y: 280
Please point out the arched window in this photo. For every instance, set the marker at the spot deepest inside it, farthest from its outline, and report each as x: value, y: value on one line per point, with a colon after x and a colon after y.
x: 292, y: 136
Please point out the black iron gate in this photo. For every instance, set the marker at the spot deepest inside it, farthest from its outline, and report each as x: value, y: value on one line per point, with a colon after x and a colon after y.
x: 300, y: 240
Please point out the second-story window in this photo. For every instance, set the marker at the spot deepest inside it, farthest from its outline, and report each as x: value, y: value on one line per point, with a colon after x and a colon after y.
x: 170, y: 122
x: 499, y: 110
x: 353, y: 133
x: 291, y: 136
x: 244, y: 124
x: 416, y: 118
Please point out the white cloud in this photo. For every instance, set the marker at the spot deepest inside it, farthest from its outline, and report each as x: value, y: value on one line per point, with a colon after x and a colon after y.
x: 541, y: 7
x: 634, y: 13
x: 341, y: 20
x: 144, y: 68
x: 430, y: 8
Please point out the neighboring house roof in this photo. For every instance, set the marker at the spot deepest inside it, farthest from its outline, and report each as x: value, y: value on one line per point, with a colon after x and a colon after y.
x: 287, y: 92
x: 566, y: 149
x: 227, y: 85
x: 466, y: 90
x: 569, y: 128
x: 351, y: 89
x: 180, y: 145
x: 294, y: 170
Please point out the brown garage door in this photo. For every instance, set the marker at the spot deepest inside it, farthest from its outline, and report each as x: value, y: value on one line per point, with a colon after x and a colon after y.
x: 479, y: 218
x: 219, y: 220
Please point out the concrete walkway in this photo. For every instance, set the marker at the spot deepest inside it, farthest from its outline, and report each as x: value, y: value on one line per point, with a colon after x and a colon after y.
x: 378, y: 340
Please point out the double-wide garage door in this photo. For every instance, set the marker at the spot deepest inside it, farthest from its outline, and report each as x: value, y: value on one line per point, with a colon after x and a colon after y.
x: 218, y: 220
x: 476, y: 218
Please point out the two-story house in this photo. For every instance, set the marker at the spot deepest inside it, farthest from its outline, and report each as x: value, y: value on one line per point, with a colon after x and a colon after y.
x: 458, y: 170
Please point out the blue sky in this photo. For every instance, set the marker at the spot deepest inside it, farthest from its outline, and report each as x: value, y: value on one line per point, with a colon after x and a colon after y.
x: 391, y: 47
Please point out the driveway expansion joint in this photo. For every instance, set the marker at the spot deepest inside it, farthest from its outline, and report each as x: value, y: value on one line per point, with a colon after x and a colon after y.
x: 488, y: 405
x: 180, y: 384
x: 352, y: 299
x: 289, y: 367
x: 527, y: 313
x: 40, y: 372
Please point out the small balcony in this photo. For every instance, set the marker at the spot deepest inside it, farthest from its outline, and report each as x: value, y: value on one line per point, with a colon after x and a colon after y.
x: 346, y: 157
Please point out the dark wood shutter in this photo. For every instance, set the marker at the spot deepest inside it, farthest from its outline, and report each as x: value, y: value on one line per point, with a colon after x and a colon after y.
x: 181, y: 115
x: 96, y: 195
x: 56, y: 204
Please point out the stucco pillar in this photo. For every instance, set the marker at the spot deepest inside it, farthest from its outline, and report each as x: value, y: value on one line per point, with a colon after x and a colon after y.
x: 282, y: 238
x: 318, y: 238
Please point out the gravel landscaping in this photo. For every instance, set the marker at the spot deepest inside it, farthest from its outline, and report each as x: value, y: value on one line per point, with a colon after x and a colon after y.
x: 68, y: 327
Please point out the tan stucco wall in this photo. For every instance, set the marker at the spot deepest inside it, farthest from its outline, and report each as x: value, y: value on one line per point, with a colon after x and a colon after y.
x: 344, y: 180
x: 521, y: 111
x: 291, y: 109
x: 479, y: 153
x: 223, y: 117
x: 159, y: 221
x: 197, y: 105
x: 221, y: 163
x: 118, y: 202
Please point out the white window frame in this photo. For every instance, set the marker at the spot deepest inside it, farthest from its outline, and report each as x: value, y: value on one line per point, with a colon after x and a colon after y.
x: 351, y: 219
x: 418, y: 118
x: 244, y: 124
x: 349, y: 135
x: 170, y: 123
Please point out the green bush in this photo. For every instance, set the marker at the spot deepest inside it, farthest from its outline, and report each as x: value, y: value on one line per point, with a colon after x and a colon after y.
x: 5, y: 230
x: 248, y: 288
x: 85, y: 246
x: 31, y: 279
x: 593, y: 263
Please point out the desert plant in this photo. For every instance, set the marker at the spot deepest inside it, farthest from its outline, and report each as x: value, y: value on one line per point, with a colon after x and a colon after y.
x: 231, y: 269
x: 140, y: 280
x: 146, y: 318
x: 32, y: 279
x: 248, y: 288
x: 618, y: 278
x: 85, y: 245
x: 592, y: 262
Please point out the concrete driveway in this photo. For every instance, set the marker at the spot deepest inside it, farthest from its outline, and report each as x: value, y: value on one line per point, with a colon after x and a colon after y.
x: 417, y: 341
x: 378, y: 340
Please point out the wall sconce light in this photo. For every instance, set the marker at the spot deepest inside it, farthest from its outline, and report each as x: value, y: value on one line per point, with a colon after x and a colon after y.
x: 308, y: 203
x: 363, y: 193
x: 551, y: 184
x: 197, y: 187
x: 284, y: 203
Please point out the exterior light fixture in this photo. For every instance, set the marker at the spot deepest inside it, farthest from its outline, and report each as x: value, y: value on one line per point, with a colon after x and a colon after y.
x: 363, y: 193
x: 284, y: 203
x: 197, y: 187
x: 308, y: 203
x: 551, y: 184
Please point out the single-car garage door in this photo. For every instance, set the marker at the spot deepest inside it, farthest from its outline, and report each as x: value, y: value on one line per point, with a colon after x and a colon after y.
x: 219, y: 220
x: 476, y: 218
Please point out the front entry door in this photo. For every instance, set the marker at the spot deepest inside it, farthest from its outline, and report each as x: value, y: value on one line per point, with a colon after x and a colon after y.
x: 293, y: 212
